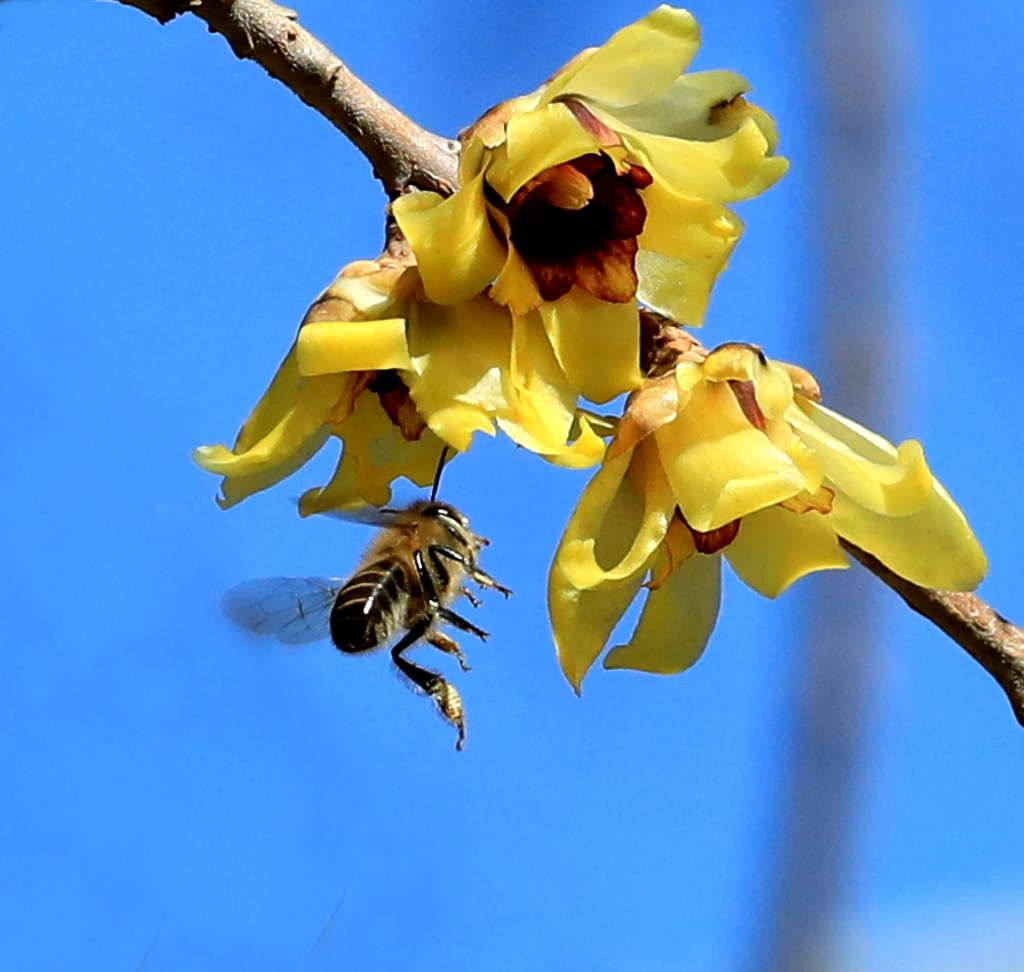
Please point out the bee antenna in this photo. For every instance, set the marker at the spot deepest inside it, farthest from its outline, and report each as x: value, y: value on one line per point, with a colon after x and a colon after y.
x: 437, y: 475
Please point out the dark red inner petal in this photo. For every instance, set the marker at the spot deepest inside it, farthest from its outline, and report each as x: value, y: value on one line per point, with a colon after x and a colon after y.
x: 711, y: 541
x: 593, y: 246
x: 398, y: 404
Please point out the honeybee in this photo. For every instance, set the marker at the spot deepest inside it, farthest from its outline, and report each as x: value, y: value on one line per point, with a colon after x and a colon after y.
x: 409, y: 577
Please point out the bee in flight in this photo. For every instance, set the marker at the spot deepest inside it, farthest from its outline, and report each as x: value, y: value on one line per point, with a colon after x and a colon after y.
x: 413, y: 571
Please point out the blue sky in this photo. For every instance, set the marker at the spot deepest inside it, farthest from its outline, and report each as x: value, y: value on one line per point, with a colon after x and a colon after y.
x: 180, y: 796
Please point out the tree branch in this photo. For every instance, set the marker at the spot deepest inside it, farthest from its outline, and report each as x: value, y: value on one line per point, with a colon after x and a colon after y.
x: 402, y: 154
x: 983, y: 633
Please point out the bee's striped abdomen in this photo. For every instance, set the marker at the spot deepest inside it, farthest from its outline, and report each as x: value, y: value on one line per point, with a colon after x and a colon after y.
x: 371, y: 606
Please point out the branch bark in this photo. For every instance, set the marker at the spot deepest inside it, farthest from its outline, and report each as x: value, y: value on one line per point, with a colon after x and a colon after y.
x: 403, y: 154
x: 982, y: 632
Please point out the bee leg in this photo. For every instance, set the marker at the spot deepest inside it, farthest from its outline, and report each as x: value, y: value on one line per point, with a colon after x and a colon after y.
x: 480, y: 576
x: 461, y: 623
x: 449, y: 646
x: 485, y: 580
x: 470, y: 596
x: 444, y: 694
x: 426, y: 581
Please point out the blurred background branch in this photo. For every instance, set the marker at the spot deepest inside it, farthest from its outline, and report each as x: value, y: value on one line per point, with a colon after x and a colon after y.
x: 403, y: 154
x: 853, y: 59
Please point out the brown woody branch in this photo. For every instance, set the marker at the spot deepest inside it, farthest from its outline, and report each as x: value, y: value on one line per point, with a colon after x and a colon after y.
x: 983, y: 633
x: 403, y: 154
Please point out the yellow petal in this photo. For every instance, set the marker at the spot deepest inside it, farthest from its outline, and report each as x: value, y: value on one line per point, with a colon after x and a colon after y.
x: 544, y: 397
x: 635, y: 63
x: 934, y: 547
x: 279, y: 399
x: 234, y: 489
x: 460, y: 356
x: 325, y: 347
x: 620, y: 520
x: 456, y: 249
x: 542, y: 407
x: 375, y: 454
x: 676, y: 621
x: 684, y: 109
x: 895, y: 483
x: 582, y: 621
x: 456, y: 422
x: 721, y: 468
x: 301, y: 422
x: 536, y: 140
x: 597, y: 343
x: 515, y: 286
x: 685, y: 245
x: 861, y: 440
x: 585, y: 450
x: 773, y: 388
x: 775, y: 547
x: 726, y: 170
x: 611, y: 513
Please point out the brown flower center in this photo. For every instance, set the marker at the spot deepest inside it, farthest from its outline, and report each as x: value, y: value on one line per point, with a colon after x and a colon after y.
x: 578, y: 223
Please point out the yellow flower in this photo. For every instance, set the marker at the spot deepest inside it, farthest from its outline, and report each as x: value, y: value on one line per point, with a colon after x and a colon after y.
x: 397, y: 379
x: 734, y: 455
x: 604, y: 185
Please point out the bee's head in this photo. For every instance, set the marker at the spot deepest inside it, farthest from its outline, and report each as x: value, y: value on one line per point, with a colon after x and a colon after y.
x: 454, y: 523
x: 435, y: 510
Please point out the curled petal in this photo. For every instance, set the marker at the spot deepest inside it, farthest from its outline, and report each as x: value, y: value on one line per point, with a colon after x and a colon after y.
x: 677, y: 620
x: 456, y: 248
x: 635, y: 63
x: 721, y: 468
x: 277, y: 401
x: 296, y: 425
x: 934, y: 547
x: 581, y: 451
x: 775, y: 547
x: 582, y: 621
x: 234, y: 489
x: 596, y: 343
x: 536, y: 141
x: 325, y: 347
x: 609, y: 515
x: 726, y: 170
x: 894, y: 482
x: 592, y: 551
x: 860, y: 440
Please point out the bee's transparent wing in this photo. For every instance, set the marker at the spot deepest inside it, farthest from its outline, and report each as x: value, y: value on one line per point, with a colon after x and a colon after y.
x: 294, y: 610
x: 376, y: 516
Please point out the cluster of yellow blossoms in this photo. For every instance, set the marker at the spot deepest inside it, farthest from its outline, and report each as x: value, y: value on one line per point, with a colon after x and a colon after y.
x: 602, y: 192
